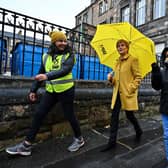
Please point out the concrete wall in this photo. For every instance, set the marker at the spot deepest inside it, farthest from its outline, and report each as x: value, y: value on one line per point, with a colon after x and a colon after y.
x: 92, y: 106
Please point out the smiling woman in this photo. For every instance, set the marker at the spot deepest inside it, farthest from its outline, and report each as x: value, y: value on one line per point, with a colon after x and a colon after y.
x: 56, y: 72
x: 50, y: 10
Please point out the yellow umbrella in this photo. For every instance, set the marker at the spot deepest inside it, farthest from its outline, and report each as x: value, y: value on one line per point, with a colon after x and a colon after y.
x: 104, y: 43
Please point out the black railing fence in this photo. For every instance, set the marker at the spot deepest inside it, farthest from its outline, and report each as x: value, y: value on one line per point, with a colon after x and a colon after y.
x: 24, y: 39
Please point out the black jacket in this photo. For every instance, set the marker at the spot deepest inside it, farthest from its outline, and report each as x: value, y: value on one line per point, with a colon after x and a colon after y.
x: 66, y: 68
x: 160, y: 82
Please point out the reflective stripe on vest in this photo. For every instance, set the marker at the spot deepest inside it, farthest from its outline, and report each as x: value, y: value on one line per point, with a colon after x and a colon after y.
x: 60, y: 84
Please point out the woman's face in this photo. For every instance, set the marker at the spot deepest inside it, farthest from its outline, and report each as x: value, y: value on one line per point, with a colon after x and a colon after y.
x: 122, y: 48
x: 61, y: 44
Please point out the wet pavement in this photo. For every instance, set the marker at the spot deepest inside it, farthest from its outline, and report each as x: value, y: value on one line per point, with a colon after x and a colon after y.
x: 148, y: 153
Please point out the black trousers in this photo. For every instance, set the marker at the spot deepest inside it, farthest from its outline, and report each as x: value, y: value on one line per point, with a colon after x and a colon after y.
x: 47, y: 102
x: 115, y: 120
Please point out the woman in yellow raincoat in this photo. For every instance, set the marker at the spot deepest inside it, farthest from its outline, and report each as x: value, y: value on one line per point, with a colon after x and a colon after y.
x: 125, y: 81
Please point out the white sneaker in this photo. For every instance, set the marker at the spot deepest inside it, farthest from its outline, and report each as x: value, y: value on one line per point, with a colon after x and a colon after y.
x: 19, y: 149
x: 77, y: 143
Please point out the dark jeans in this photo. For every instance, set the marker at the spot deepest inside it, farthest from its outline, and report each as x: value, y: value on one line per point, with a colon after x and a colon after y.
x: 47, y: 102
x: 115, y: 120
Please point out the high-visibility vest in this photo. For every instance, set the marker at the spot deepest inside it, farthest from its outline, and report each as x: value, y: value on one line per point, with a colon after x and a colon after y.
x: 60, y: 84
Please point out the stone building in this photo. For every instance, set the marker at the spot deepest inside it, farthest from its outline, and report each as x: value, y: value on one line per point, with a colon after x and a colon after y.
x: 149, y: 16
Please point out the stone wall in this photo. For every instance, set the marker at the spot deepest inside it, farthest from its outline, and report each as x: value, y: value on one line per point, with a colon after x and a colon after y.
x: 92, y: 106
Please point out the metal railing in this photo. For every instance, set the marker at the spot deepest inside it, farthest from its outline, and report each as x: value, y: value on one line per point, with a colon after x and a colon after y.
x: 24, y: 39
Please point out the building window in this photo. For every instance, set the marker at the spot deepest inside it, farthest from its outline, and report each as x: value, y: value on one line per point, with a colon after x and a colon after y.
x: 100, y: 8
x: 103, y: 7
x: 140, y: 12
x: 111, y: 3
x: 125, y: 14
x: 85, y: 17
x: 159, y: 8
x: 79, y: 20
x: 159, y: 48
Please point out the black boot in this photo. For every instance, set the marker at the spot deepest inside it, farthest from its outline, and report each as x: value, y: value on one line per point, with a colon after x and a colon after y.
x: 109, y: 146
x: 134, y: 121
x: 138, y: 135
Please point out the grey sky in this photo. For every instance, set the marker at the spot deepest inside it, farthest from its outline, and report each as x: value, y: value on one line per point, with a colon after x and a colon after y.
x: 61, y: 12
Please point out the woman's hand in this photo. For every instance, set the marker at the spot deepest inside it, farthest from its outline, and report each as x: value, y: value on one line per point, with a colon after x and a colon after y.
x: 32, y: 97
x: 110, y: 77
x: 41, y: 77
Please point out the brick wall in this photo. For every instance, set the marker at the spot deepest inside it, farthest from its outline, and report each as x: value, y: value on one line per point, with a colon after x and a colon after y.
x: 92, y: 106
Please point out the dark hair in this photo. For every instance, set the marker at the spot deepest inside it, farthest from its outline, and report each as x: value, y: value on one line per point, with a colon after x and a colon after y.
x: 53, y: 50
x: 163, y: 56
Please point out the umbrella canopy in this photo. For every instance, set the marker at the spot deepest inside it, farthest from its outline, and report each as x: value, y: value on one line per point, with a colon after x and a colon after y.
x: 106, y: 37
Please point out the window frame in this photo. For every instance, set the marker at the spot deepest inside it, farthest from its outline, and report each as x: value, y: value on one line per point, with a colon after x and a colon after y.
x: 140, y: 12
x: 159, y: 9
x: 122, y: 11
x: 101, y: 8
